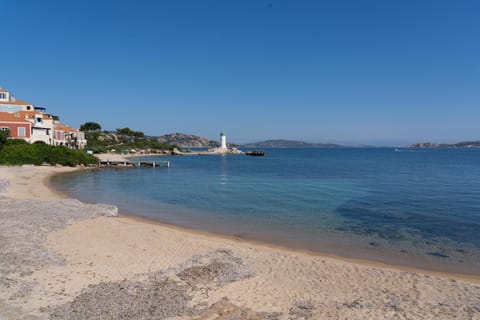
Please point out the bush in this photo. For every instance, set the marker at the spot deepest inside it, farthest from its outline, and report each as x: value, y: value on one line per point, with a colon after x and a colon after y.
x: 97, y: 149
x: 12, y: 142
x: 130, y: 133
x: 17, y: 153
x: 147, y: 144
x: 90, y: 126
x: 4, y: 134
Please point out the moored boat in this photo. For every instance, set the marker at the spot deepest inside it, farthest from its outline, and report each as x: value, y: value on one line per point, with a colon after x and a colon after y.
x: 256, y: 153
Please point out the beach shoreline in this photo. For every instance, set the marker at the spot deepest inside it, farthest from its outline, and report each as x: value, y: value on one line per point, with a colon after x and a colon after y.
x: 267, y: 279
x: 291, y: 249
x: 365, y: 256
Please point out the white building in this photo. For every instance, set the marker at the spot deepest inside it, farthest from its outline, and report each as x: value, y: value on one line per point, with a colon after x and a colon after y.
x: 8, y: 103
x: 64, y: 135
x: 223, y: 149
x: 42, y: 126
x: 223, y: 141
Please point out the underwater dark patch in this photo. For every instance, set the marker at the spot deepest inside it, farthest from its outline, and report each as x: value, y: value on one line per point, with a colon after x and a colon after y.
x: 390, y: 220
x: 438, y: 254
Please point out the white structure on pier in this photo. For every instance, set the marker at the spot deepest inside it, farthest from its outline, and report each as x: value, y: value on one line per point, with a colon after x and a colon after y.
x: 223, y: 141
x: 223, y: 149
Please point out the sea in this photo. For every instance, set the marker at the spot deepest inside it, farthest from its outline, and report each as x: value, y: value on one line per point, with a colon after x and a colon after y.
x: 409, y: 207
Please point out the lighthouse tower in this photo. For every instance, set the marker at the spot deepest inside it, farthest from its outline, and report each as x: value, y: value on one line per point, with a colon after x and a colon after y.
x: 223, y: 141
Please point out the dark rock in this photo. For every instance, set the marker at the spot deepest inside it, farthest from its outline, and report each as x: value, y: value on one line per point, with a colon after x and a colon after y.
x: 438, y: 254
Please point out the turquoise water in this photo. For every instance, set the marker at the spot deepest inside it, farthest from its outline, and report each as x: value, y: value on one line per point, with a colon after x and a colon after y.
x: 410, y: 207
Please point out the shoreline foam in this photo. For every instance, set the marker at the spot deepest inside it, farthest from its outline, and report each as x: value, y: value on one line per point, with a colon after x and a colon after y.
x: 103, y: 253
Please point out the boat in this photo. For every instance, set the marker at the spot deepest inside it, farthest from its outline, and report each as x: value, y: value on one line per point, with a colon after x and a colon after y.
x: 255, y: 153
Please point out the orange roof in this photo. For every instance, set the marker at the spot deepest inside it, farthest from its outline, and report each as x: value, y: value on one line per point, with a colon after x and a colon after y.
x: 64, y: 127
x: 11, y: 117
x: 31, y: 114
x: 16, y: 102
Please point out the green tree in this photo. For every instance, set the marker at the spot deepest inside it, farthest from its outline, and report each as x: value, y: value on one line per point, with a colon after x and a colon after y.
x: 124, y: 131
x: 4, y: 134
x: 90, y: 126
x: 129, y: 132
x: 138, y: 134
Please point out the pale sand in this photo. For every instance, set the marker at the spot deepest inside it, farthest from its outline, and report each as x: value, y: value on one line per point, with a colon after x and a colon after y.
x: 278, y: 284
x: 29, y: 182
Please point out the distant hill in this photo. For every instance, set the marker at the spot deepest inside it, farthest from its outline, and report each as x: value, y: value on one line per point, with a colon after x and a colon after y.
x: 282, y: 143
x: 187, y: 140
x: 463, y: 144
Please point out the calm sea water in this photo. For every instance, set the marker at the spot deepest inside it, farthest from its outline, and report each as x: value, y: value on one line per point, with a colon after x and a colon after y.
x: 410, y: 207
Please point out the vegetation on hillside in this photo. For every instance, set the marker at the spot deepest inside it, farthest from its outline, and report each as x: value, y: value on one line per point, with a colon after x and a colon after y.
x: 121, y: 139
x: 18, y: 152
x: 188, y: 140
x: 130, y: 133
x: 90, y: 126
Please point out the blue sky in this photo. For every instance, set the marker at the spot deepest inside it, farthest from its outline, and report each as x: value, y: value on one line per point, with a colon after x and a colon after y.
x: 376, y: 72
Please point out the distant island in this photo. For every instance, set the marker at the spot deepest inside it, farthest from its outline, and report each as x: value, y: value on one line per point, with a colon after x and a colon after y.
x: 463, y: 144
x: 282, y: 143
x: 193, y: 141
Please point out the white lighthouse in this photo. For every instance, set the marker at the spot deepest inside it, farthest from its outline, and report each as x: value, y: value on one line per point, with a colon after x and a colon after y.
x: 223, y: 141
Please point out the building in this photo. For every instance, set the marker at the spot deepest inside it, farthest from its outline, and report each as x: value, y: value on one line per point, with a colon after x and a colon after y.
x: 223, y: 141
x: 223, y: 149
x: 33, y: 124
x: 42, y: 126
x: 19, y: 128
x: 8, y: 103
x: 64, y: 135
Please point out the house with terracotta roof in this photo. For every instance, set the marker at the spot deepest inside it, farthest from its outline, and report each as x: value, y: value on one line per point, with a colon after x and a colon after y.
x: 42, y: 126
x: 64, y: 135
x: 31, y: 123
x: 19, y: 128
x: 8, y: 103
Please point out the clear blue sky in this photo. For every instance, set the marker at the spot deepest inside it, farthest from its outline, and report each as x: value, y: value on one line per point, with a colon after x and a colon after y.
x: 378, y: 72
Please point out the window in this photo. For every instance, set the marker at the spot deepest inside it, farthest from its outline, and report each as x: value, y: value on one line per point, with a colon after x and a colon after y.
x: 39, y: 119
x: 21, y: 132
x: 3, y: 96
x: 4, y: 129
x: 29, y: 107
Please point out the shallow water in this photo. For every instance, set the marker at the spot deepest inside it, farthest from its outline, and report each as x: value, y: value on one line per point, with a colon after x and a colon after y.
x: 410, y: 207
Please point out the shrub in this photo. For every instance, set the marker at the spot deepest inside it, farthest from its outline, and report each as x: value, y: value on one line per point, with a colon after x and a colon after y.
x: 4, y: 134
x: 12, y: 142
x: 97, y: 149
x: 16, y: 153
x: 90, y: 126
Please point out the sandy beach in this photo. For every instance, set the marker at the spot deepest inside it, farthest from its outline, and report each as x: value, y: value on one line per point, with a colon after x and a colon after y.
x: 64, y: 259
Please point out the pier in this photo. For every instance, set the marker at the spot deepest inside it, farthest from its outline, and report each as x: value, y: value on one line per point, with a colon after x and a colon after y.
x: 153, y: 164
x: 134, y: 164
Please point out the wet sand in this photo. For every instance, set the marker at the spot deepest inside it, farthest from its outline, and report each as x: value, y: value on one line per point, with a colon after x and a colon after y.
x: 63, y: 259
